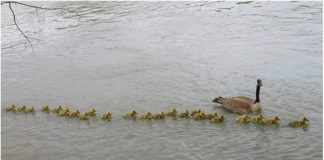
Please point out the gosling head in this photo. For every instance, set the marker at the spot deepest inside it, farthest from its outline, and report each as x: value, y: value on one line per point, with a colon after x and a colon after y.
x: 305, y: 119
x: 259, y: 82
x: 134, y: 112
x: 276, y: 118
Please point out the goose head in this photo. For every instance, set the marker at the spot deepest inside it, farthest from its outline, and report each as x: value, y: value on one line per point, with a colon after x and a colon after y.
x: 259, y: 82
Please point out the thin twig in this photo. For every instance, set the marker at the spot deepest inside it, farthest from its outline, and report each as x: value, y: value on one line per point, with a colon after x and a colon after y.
x: 11, y: 46
x: 36, y: 7
x: 14, y: 18
x: 45, y: 8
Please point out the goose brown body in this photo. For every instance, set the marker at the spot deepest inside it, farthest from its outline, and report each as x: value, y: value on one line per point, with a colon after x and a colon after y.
x: 241, y: 104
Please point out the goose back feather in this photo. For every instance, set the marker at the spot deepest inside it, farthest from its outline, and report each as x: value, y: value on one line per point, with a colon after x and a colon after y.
x: 241, y: 104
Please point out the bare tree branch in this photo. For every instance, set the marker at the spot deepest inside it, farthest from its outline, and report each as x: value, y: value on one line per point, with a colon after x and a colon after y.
x: 36, y: 7
x: 12, y: 46
x: 45, y: 8
x: 14, y: 18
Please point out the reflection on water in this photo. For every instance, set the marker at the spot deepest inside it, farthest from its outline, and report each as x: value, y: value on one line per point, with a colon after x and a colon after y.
x: 150, y: 56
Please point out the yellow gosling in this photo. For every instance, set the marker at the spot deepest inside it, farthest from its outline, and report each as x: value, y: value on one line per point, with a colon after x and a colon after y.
x: 147, y: 115
x: 91, y: 112
x: 106, y: 116
x: 172, y: 113
x: 30, y: 110
x: 160, y: 115
x: 83, y: 117
x: 75, y: 114
x: 218, y: 119
x: 304, y: 121
x: 45, y: 109
x: 271, y: 121
x: 131, y: 115
x: 11, y: 108
x: 199, y: 116
x: 22, y: 109
x: 57, y: 110
x: 211, y: 115
x: 243, y: 119
x: 195, y: 112
x: 185, y: 114
x: 257, y: 118
x: 64, y: 112
x: 297, y: 123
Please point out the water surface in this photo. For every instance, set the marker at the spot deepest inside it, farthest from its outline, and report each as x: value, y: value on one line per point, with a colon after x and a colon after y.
x: 150, y: 56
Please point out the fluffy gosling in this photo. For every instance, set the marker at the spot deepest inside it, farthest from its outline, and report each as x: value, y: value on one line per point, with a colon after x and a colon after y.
x: 243, y: 119
x: 147, y: 115
x: 10, y: 108
x: 57, y: 110
x: 130, y: 115
x: 83, y: 117
x: 271, y: 121
x: 211, y: 115
x: 22, y: 109
x: 75, y: 114
x: 106, y: 116
x: 30, y: 110
x: 91, y: 112
x: 297, y: 123
x: 185, y: 114
x: 161, y: 115
x: 195, y: 112
x: 218, y: 119
x: 257, y: 118
x: 172, y: 113
x: 45, y: 109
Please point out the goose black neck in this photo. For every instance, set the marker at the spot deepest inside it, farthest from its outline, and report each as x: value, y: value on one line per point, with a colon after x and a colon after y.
x: 257, y: 98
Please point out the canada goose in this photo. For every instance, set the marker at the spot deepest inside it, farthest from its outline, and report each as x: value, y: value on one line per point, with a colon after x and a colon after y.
x: 242, y: 104
x: 297, y: 123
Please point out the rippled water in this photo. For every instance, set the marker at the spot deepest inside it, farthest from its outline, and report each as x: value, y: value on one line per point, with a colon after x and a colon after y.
x: 150, y: 56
